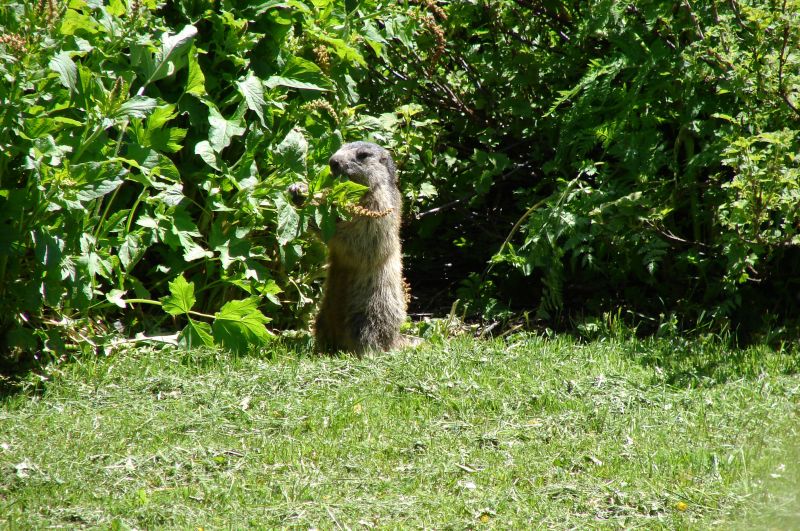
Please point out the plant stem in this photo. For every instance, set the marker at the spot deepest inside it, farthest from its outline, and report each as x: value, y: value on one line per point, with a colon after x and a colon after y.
x: 159, y: 303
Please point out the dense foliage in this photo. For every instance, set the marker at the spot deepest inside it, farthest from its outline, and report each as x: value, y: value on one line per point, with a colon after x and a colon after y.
x: 561, y: 158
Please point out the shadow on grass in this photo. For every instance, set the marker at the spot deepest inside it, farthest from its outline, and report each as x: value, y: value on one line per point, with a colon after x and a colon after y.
x: 17, y: 375
x: 704, y: 362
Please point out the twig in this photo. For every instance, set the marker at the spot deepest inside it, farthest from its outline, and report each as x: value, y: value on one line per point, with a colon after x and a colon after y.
x: 781, y: 62
x: 438, y: 209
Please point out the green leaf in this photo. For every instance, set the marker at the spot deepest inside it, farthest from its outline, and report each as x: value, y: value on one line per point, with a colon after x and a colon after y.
x: 196, y: 82
x: 168, y: 139
x: 288, y: 220
x: 343, y: 50
x: 291, y: 153
x: 67, y: 72
x: 270, y: 290
x: 275, y: 81
x: 347, y: 192
x: 240, y: 324
x: 222, y: 131
x: 301, y: 74
x: 116, y: 8
x: 160, y: 116
x: 207, y: 153
x: 181, y: 297
x: 131, y: 250
x: 196, y: 334
x: 136, y: 107
x: 253, y: 92
x: 73, y: 22
x: 115, y: 296
x: 98, y: 188
x: 172, y: 55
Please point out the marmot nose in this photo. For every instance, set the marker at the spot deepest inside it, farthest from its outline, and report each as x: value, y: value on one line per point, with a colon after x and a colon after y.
x: 336, y: 166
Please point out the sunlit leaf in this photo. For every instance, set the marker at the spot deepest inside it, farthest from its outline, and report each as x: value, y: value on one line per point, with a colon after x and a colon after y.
x: 181, y: 297
x: 62, y: 64
x: 253, y: 92
x: 196, y: 334
x: 239, y: 325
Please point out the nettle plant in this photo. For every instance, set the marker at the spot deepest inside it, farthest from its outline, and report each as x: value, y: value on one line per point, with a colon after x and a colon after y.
x: 145, y: 152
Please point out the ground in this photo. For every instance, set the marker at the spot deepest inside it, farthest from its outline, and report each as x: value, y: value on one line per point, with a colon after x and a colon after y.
x: 521, y: 432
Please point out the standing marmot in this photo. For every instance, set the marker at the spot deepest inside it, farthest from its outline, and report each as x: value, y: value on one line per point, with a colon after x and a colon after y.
x: 364, y: 301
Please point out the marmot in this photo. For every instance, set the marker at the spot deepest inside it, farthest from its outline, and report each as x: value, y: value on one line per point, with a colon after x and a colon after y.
x: 364, y: 299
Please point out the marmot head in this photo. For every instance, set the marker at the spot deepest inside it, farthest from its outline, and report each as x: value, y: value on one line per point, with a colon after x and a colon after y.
x: 365, y: 163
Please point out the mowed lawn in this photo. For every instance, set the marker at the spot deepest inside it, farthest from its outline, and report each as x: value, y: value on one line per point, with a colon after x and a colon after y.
x: 524, y: 432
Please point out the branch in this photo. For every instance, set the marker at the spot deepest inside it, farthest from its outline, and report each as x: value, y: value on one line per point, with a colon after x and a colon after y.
x: 781, y: 62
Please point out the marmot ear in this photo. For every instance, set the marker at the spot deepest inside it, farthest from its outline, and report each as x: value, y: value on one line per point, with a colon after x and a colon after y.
x: 386, y: 160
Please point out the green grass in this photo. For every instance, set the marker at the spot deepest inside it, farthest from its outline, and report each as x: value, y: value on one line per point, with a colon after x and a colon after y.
x: 526, y: 433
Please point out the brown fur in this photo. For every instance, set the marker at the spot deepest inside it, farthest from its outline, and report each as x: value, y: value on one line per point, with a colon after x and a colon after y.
x: 364, y: 300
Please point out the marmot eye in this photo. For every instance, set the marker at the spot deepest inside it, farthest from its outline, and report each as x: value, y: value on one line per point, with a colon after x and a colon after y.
x: 363, y: 155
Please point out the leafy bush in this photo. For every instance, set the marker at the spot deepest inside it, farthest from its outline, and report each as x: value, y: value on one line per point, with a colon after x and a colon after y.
x: 564, y: 157
x: 146, y: 152
x: 620, y: 153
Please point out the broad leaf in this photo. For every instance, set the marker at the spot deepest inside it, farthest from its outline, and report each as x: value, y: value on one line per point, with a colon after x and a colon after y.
x: 131, y: 250
x: 73, y: 22
x: 291, y: 153
x: 115, y: 296
x: 288, y: 220
x: 301, y: 74
x: 172, y: 53
x: 181, y: 297
x: 222, y: 130
x: 253, y: 92
x: 196, y: 82
x: 136, y: 107
x: 239, y: 325
x: 62, y: 64
x: 196, y: 334
x: 207, y: 153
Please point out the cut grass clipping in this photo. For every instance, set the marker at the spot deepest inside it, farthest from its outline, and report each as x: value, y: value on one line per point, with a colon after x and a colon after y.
x: 522, y: 432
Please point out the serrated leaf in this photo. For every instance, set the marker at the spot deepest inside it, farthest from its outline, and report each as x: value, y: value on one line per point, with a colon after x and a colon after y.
x: 288, y: 220
x: 271, y: 290
x: 99, y: 189
x: 260, y: 9
x: 95, y: 265
x: 181, y: 297
x: 344, y: 50
x: 240, y: 324
x: 131, y: 250
x: 221, y: 130
x: 48, y: 249
x: 193, y: 251
x: 291, y: 153
x: 116, y: 8
x: 347, y: 192
x: 67, y: 72
x: 196, y: 334
x: 253, y: 92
